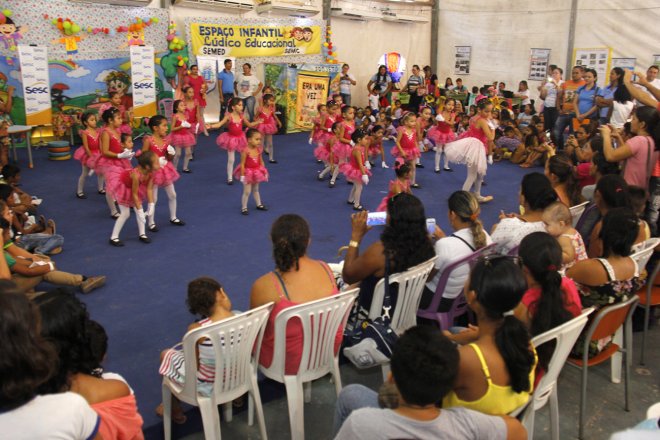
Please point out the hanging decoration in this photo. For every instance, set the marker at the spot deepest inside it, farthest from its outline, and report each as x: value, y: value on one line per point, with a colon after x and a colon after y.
x: 135, y: 31
x: 395, y: 64
x: 70, y: 35
x: 329, y: 50
x: 10, y: 33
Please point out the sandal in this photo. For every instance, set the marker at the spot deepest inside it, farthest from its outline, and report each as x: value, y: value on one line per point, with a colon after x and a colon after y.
x: 153, y: 228
x: 116, y: 242
x: 244, y: 211
x: 262, y: 208
x: 114, y: 215
x: 178, y: 416
x: 53, y: 227
x: 144, y: 239
x: 101, y: 191
x: 81, y: 195
x: 358, y: 208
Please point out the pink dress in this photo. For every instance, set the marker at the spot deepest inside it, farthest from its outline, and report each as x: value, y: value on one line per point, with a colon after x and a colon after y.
x: 405, y: 187
x: 255, y: 171
x: 196, y: 83
x: 234, y: 138
x: 268, y: 124
x: 340, y: 149
x: 325, y: 134
x: 166, y: 175
x: 93, y: 143
x: 317, y: 133
x: 441, y: 133
x: 104, y: 164
x: 120, y: 185
x: 191, y: 117
x: 408, y: 144
x: 351, y: 169
x: 375, y: 148
x: 182, y: 138
x: 322, y: 152
x: 470, y: 148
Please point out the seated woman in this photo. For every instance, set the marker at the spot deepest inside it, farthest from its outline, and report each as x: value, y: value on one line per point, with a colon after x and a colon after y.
x: 404, y: 243
x: 536, y: 194
x: 559, y: 169
x: 66, y: 324
x: 28, y: 361
x: 469, y: 235
x: 297, y: 279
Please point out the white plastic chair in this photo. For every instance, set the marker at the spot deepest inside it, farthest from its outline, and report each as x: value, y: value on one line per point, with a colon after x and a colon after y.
x: 233, y: 341
x: 546, y: 390
x: 321, y: 320
x: 642, y: 251
x: 577, y: 210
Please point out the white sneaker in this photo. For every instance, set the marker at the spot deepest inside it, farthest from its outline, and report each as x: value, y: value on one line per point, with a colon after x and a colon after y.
x: 484, y: 199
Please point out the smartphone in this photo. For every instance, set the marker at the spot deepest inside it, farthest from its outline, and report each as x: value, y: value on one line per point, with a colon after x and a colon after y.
x: 430, y: 225
x: 376, y: 218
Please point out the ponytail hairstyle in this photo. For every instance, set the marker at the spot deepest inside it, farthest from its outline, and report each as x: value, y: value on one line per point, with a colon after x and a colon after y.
x: 176, y: 104
x: 499, y: 284
x: 465, y: 205
x: 109, y: 115
x: 290, y: 237
x: 232, y: 103
x: 537, y: 191
x: 562, y: 167
x: 651, y: 119
x: 145, y: 160
x: 155, y: 121
x: 401, y: 168
x: 613, y: 191
x: 483, y: 103
x: 618, y: 232
x: 358, y: 135
x: 85, y: 117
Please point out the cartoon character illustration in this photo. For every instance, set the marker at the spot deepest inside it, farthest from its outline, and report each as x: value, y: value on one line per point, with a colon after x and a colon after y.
x: 134, y: 35
x: 120, y: 82
x: 307, y: 34
x: 57, y: 95
x: 70, y: 37
x: 10, y: 33
x: 297, y: 33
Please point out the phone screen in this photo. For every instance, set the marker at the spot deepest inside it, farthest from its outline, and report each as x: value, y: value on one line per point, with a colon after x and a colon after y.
x: 376, y: 218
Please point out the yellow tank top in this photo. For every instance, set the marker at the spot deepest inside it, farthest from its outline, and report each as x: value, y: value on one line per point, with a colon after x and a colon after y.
x: 498, y: 400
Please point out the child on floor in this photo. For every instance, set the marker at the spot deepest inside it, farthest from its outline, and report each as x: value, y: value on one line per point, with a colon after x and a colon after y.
x: 115, y: 101
x: 376, y: 146
x: 406, y: 143
x: 89, y: 153
x: 116, y: 152
x: 181, y: 138
x: 343, y: 149
x: 442, y: 133
x: 269, y: 126
x: 233, y: 139
x: 559, y: 223
x: 398, y: 185
x: 355, y: 169
x: 251, y: 172
x: 206, y: 298
x: 324, y: 154
x: 166, y: 174
x: 129, y: 188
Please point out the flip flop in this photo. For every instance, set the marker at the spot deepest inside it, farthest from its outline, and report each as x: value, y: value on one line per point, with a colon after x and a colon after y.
x: 179, y: 417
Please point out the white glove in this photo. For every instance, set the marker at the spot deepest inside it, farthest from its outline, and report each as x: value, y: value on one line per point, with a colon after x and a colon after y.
x: 439, y: 118
x: 140, y: 215
x: 367, y: 165
x: 186, y: 124
x: 490, y: 159
x: 491, y: 124
x: 170, y: 150
x: 162, y: 161
x: 329, y: 130
x: 151, y: 210
x: 126, y: 154
x: 383, y: 165
x: 242, y: 179
x: 352, y: 144
x: 365, y: 179
x: 310, y: 141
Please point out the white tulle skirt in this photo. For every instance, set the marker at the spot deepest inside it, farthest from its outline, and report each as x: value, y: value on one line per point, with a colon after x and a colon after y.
x: 469, y: 151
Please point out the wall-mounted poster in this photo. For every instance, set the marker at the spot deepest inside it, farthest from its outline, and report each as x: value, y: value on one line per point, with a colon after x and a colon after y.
x: 538, y: 64
x: 463, y: 54
x: 624, y: 63
x: 598, y: 59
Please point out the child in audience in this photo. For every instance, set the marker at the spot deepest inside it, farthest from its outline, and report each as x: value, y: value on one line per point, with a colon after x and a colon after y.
x: 369, y: 116
x: 359, y: 117
x: 399, y: 185
x: 406, y: 144
x: 442, y: 133
x: 206, y: 298
x: 374, y: 101
x: 508, y: 143
x: 525, y: 118
x: 559, y: 223
x: 376, y: 146
x: 181, y: 138
x: 463, y: 125
x: 89, y: 153
x: 390, y: 128
x: 356, y: 169
x: 270, y: 124
x: 638, y: 198
x: 324, y: 153
x: 251, y: 172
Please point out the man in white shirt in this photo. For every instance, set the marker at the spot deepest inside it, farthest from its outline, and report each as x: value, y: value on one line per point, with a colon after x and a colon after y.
x: 346, y: 81
x: 247, y: 87
x: 652, y: 79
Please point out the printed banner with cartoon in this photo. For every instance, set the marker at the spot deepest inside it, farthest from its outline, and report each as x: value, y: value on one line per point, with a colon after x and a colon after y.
x: 312, y: 90
x: 254, y: 40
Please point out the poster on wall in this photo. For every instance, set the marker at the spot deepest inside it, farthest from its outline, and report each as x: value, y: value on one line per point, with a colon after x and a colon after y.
x: 143, y: 81
x: 538, y: 64
x: 246, y: 41
x: 624, y: 63
x: 36, y: 84
x: 463, y: 54
x: 598, y: 59
x: 312, y: 90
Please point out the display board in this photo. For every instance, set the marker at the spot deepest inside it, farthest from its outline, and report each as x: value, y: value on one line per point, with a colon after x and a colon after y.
x: 624, y: 63
x: 462, y: 65
x: 598, y: 59
x: 144, y: 81
x: 36, y: 84
x: 538, y: 64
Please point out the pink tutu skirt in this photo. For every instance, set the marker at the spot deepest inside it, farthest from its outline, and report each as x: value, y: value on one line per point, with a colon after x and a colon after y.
x: 166, y: 175
x: 352, y: 174
x: 267, y: 127
x: 323, y: 137
x: 252, y: 175
x: 232, y: 143
x: 374, y: 150
x: 182, y: 139
x: 88, y: 161
x: 118, y: 189
x: 439, y: 137
x: 322, y: 153
x: 125, y: 129
x: 382, y: 207
x: 105, y: 164
x: 318, y: 135
x: 469, y: 151
x: 411, y: 154
x: 342, y: 151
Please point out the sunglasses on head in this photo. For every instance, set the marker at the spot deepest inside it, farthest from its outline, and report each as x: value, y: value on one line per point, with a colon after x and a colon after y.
x: 488, y: 260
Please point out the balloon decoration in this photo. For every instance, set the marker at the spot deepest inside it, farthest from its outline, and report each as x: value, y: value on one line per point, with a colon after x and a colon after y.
x: 176, y: 43
x: 329, y: 50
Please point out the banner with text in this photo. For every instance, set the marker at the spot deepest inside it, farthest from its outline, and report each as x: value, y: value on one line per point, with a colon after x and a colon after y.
x: 312, y: 90
x: 144, y: 81
x: 36, y: 84
x: 254, y: 41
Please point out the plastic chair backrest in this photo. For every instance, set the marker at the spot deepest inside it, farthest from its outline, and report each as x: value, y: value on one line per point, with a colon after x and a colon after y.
x: 576, y: 212
x: 610, y: 318
x: 233, y: 342
x: 166, y: 107
x: 643, y: 251
x: 513, y: 251
x: 321, y: 320
x: 585, y: 214
x: 566, y: 335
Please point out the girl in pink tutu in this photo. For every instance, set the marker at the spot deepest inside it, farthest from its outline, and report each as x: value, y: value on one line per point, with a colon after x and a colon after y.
x: 406, y: 144
x: 442, y: 133
x: 355, y: 169
x: 114, y: 101
x: 474, y: 148
x: 324, y: 153
x: 116, y: 151
x: 376, y: 146
x: 194, y: 115
x: 316, y: 134
x: 398, y: 185
x: 166, y: 174
x: 130, y: 188
x: 424, y: 122
x: 89, y: 153
x: 269, y: 125
x: 233, y: 139
x: 181, y: 138
x: 343, y: 149
x: 251, y: 172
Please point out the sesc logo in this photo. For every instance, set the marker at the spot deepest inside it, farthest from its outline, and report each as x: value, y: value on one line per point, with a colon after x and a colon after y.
x: 37, y: 88
x: 143, y: 84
